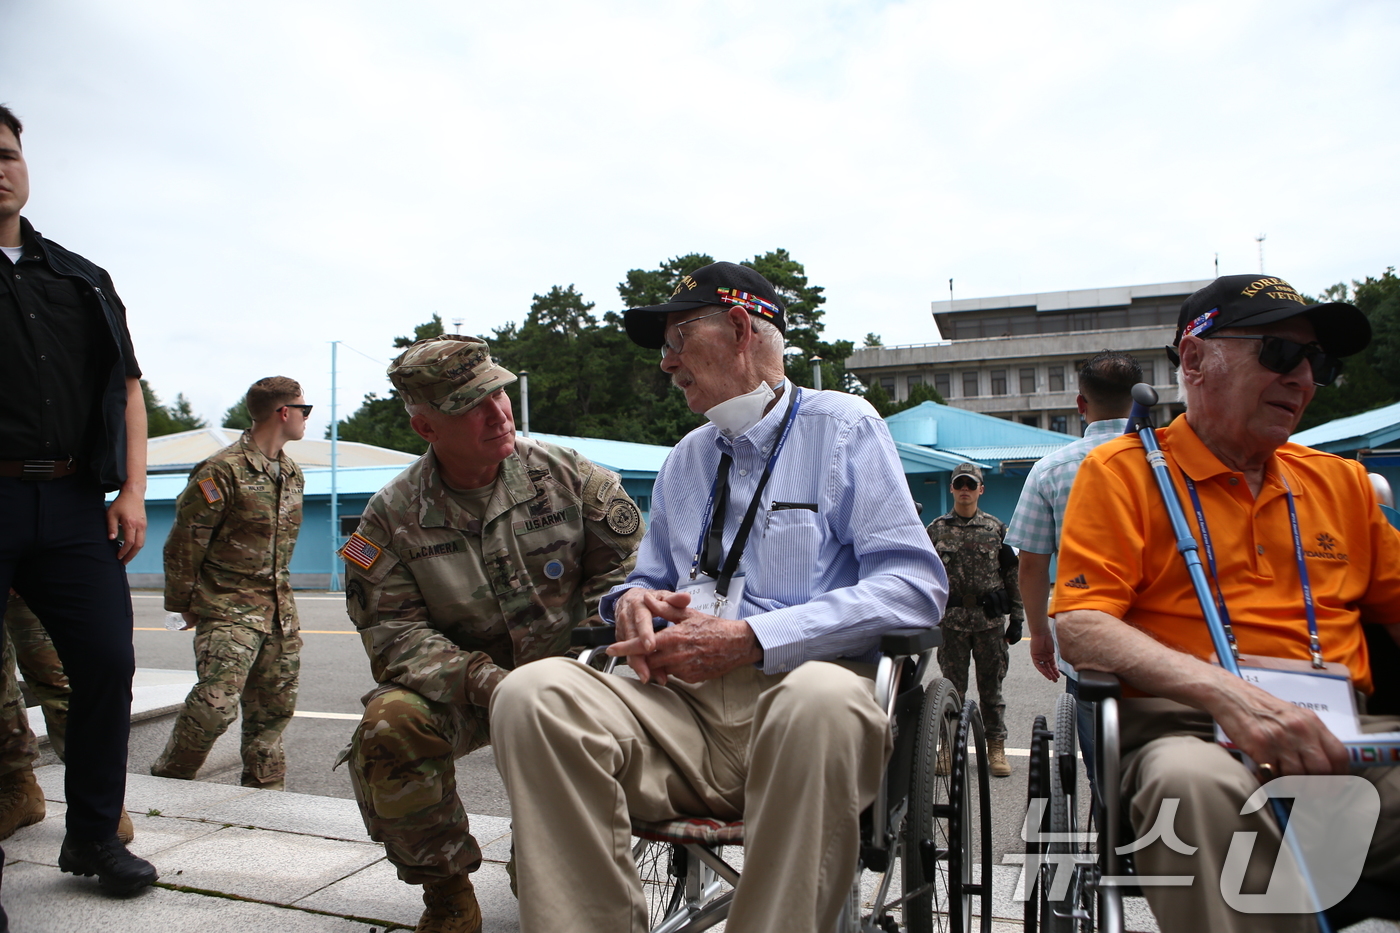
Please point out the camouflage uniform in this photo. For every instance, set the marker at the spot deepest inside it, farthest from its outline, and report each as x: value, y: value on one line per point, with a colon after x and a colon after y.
x: 970, y: 549
x: 447, y: 603
x: 29, y: 644
x: 226, y: 560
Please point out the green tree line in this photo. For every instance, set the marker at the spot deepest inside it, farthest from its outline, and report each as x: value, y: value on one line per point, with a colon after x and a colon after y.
x: 1371, y: 378
x: 587, y: 379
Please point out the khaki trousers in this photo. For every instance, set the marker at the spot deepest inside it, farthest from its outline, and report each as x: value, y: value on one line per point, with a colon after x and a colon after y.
x: 1171, y: 753
x: 798, y: 756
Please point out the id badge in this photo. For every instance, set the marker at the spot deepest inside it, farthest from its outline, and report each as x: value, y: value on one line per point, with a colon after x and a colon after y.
x: 1327, y: 693
x: 703, y: 597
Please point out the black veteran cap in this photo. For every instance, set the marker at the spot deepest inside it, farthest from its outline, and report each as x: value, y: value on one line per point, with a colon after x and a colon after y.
x: 453, y: 373
x: 719, y: 283
x: 1252, y: 300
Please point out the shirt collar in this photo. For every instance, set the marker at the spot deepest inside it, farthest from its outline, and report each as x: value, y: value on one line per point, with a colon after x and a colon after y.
x: 251, y: 450
x: 1106, y: 426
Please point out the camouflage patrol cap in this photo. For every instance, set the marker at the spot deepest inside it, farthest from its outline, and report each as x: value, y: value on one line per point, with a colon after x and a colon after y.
x: 451, y: 372
x: 967, y: 469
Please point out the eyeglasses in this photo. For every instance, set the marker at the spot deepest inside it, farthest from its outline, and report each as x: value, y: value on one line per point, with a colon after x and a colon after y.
x: 965, y: 482
x: 305, y: 409
x: 1279, y: 355
x: 667, y: 347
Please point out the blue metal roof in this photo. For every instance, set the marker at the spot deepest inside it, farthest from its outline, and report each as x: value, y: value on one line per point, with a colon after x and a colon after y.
x: 995, y: 455
x: 949, y: 428
x: 917, y: 459
x: 1370, y: 429
x: 623, y: 457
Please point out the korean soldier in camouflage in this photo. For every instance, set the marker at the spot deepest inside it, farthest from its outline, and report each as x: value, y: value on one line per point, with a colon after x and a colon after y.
x: 983, y: 587
x: 480, y: 557
x: 226, y: 573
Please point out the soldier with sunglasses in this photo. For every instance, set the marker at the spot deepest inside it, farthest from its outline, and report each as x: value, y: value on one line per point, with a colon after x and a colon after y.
x: 1298, y: 555
x: 226, y: 573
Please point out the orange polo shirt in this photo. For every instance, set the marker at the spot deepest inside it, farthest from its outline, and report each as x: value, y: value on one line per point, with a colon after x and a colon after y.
x: 1118, y: 552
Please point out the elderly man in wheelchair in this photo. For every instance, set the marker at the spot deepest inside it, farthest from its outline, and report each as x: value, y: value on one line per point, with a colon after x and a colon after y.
x: 783, y: 543
x: 1229, y: 656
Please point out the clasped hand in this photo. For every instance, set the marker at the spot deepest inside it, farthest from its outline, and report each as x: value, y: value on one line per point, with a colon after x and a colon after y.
x: 696, y: 646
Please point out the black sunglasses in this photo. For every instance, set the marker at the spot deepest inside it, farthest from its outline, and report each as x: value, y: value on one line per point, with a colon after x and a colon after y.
x: 305, y: 409
x: 965, y: 482
x: 1280, y: 355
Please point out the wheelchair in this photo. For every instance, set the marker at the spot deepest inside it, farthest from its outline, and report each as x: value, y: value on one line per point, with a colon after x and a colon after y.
x: 926, y: 841
x: 1076, y: 878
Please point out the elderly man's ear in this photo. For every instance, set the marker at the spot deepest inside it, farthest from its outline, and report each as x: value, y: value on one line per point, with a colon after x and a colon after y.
x: 1193, y: 351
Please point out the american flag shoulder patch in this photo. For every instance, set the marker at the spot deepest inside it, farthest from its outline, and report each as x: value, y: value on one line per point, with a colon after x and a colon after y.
x: 361, y: 551
x: 210, y: 490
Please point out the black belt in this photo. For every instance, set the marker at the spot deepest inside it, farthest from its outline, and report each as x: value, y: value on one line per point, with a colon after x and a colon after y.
x: 38, y: 470
x: 966, y: 600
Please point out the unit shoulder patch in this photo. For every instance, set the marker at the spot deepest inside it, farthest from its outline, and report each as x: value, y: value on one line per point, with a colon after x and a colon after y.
x: 210, y: 490
x: 623, y: 517
x: 361, y: 551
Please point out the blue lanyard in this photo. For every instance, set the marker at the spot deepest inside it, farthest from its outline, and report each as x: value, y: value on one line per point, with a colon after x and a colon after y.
x: 731, y: 564
x: 1314, y: 644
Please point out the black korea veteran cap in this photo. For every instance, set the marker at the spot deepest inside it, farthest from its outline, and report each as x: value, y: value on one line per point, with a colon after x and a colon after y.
x: 720, y: 283
x: 1252, y: 300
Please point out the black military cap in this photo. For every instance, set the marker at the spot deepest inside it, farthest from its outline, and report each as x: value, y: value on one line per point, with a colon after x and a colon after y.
x: 719, y: 283
x: 1252, y: 300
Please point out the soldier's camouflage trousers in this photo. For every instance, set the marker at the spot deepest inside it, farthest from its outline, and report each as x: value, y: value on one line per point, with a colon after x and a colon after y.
x: 237, y: 662
x: 29, y: 644
x: 989, y: 649
x: 402, y: 765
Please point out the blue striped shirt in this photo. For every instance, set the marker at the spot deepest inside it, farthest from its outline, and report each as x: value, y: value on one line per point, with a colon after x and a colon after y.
x: 819, y: 584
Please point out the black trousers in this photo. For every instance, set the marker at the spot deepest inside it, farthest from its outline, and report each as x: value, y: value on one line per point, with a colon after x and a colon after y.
x: 54, y: 552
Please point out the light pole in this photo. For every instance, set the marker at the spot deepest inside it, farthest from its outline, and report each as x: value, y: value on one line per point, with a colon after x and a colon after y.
x: 524, y: 375
x: 335, y: 503
x: 816, y: 362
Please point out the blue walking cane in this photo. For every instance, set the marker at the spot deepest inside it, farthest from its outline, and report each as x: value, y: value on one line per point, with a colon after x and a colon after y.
x: 1140, y: 423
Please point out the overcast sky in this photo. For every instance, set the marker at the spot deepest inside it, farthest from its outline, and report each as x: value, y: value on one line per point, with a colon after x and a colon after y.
x: 262, y: 178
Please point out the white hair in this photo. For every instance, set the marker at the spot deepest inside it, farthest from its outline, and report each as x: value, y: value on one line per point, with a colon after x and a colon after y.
x: 769, y: 336
x: 415, y: 409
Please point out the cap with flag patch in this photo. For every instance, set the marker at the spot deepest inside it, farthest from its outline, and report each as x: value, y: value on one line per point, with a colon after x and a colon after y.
x: 1254, y: 300
x: 720, y: 283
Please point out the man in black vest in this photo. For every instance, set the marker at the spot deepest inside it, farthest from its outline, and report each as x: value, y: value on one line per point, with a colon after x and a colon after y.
x: 72, y: 428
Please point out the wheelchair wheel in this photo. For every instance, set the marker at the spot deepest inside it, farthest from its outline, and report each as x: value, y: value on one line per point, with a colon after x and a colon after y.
x: 662, y: 867
x: 970, y: 826
x: 1060, y: 896
x: 1037, y: 788
x: 926, y: 842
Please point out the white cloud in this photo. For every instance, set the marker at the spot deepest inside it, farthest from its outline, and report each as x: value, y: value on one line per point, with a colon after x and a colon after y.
x: 262, y: 178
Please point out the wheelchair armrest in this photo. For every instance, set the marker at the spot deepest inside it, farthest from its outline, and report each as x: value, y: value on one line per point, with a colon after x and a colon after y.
x: 1097, y: 685
x: 595, y: 636
x: 910, y: 641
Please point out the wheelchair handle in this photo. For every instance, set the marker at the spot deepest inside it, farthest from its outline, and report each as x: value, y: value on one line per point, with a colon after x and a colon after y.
x: 910, y: 641
x: 596, y: 636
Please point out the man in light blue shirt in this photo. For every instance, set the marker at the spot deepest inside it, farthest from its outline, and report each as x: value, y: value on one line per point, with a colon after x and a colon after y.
x: 1105, y: 397
x: 783, y: 542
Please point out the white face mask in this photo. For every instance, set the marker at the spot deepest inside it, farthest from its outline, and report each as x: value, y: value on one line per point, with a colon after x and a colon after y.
x: 736, y: 415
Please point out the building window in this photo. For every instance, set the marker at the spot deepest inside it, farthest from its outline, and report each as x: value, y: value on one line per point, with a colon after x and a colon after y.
x: 1028, y: 381
x: 910, y: 382
x: 943, y: 382
x: 1032, y: 420
x: 970, y: 384
x: 1171, y: 375
x: 998, y: 382
x: 887, y: 383
x: 1057, y: 378
x: 1149, y: 372
x: 1059, y: 424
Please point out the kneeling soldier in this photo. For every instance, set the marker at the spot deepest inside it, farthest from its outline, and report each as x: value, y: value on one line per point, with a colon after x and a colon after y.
x: 480, y: 557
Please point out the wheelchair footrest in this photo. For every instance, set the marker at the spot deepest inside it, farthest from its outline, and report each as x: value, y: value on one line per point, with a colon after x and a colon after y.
x: 698, y: 829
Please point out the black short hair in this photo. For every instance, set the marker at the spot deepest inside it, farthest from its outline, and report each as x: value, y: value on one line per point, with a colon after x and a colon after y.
x: 1107, y: 379
x: 8, y: 118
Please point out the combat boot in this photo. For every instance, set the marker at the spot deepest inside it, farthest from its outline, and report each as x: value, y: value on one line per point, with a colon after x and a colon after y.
x: 450, y: 907
x: 21, y: 801
x: 996, y: 758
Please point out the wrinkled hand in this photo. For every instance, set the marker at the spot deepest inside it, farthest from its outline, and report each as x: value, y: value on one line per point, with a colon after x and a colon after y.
x: 1043, y: 656
x: 1273, y: 732
x: 695, y: 648
x: 636, y: 637
x: 126, y: 518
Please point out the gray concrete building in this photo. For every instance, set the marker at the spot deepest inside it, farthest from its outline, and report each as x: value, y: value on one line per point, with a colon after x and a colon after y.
x: 1016, y: 356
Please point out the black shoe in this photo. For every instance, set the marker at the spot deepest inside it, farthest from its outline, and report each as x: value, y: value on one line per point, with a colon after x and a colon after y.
x: 117, y: 870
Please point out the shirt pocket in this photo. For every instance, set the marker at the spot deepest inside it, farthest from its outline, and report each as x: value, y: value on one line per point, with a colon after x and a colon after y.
x: 787, y: 563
